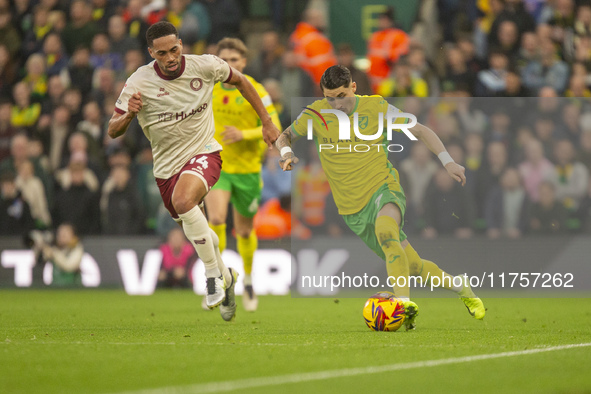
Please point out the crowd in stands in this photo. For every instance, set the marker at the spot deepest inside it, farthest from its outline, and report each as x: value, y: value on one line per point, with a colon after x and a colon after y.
x: 64, y: 62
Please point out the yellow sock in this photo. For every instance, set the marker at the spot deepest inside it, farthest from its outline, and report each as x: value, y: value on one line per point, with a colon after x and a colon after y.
x: 246, y: 248
x: 388, y: 234
x: 427, y: 269
x: 220, y: 230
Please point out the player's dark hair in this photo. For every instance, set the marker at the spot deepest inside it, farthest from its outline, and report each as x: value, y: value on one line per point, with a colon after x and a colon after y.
x: 334, y: 77
x: 160, y: 29
x: 235, y: 44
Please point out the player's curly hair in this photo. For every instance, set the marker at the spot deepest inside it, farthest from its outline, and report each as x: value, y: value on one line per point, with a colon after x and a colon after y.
x: 334, y: 77
x: 160, y: 29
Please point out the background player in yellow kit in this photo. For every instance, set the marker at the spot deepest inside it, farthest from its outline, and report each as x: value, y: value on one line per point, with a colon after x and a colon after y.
x: 239, y: 130
x: 366, y: 186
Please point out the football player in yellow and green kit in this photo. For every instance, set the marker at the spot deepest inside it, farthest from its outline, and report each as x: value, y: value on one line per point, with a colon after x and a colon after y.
x: 364, y: 183
x: 239, y: 130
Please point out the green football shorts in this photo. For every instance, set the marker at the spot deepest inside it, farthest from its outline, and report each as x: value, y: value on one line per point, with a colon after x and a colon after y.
x: 245, y: 191
x: 363, y: 223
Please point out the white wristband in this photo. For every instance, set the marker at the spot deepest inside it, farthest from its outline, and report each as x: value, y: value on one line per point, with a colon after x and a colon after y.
x: 445, y: 158
x: 284, y: 150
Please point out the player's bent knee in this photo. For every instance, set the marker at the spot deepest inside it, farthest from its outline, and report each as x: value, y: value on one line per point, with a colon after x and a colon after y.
x: 391, y: 210
x: 244, y: 233
x: 188, y: 192
x: 183, y: 200
x: 182, y: 204
x: 215, y: 219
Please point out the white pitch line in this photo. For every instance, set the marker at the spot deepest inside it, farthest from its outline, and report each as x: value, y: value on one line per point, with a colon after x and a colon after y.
x: 218, y: 387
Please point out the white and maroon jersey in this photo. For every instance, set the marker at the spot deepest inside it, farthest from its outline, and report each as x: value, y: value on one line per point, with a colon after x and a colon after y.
x: 177, y: 114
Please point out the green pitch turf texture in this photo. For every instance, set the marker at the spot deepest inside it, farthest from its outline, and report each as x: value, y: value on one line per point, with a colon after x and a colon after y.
x: 104, y: 341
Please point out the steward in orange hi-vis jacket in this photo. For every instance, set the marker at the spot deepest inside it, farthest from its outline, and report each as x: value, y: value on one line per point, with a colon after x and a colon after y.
x: 313, y: 49
x: 385, y: 47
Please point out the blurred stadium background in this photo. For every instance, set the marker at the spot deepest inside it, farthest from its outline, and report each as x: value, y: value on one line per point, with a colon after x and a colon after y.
x: 504, y: 83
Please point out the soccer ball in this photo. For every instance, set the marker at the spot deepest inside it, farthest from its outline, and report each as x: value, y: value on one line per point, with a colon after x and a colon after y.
x: 384, y: 312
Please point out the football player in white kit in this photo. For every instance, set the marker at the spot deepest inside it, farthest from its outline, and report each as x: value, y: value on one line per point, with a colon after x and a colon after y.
x: 171, y: 97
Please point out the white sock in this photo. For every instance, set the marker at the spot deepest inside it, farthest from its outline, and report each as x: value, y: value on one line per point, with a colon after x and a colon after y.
x: 403, y: 299
x: 197, y: 232
x: 222, y: 267
x: 247, y: 280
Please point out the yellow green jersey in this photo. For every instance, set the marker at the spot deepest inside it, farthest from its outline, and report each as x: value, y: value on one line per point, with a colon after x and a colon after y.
x: 231, y: 109
x: 355, y: 168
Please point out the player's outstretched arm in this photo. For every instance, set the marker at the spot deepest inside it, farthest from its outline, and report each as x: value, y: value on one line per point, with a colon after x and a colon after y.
x: 283, y: 145
x: 435, y: 145
x: 270, y: 131
x: 119, y: 123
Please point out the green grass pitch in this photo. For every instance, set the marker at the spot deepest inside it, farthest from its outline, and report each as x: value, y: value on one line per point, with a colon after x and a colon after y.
x: 103, y: 341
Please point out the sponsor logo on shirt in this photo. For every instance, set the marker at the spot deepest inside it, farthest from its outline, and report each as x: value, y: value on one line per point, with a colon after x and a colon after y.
x: 162, y: 92
x: 170, y: 116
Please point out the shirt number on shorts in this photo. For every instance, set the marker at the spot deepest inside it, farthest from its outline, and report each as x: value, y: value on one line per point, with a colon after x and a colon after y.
x: 202, y: 161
